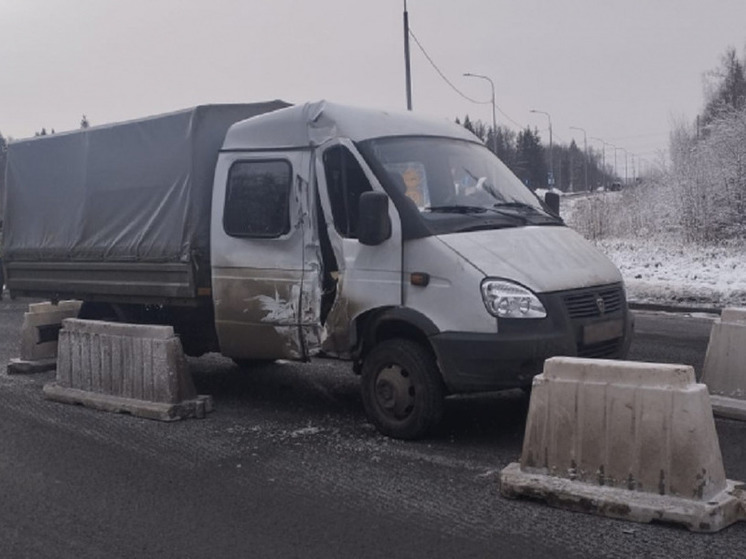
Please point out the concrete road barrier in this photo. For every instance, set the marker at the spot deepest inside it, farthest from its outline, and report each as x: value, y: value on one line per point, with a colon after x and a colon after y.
x: 628, y: 440
x: 127, y: 368
x: 724, y: 370
x: 39, y: 335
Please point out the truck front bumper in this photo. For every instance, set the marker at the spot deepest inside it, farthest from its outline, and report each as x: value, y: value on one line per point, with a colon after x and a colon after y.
x: 510, y: 358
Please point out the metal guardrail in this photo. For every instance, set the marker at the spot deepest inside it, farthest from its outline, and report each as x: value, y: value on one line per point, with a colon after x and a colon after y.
x: 662, y: 307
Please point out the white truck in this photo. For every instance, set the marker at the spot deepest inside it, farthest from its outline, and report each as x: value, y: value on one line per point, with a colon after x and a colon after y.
x: 267, y: 231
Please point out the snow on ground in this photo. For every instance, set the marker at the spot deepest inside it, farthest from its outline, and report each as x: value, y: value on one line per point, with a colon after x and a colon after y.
x: 656, y: 266
x: 656, y: 271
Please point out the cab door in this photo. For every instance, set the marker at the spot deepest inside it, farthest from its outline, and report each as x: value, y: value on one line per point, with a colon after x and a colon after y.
x: 366, y: 277
x: 263, y: 274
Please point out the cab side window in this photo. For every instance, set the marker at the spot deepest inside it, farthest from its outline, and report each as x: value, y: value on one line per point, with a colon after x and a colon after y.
x: 345, y: 181
x: 257, y: 199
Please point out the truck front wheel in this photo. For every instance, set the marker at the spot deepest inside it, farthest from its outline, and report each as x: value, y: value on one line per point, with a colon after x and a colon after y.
x: 402, y: 389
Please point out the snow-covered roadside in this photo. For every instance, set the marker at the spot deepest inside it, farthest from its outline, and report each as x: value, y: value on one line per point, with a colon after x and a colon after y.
x: 661, y: 272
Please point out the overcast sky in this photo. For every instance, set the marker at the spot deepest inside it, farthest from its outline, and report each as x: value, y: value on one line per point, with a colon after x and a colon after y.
x: 623, y: 70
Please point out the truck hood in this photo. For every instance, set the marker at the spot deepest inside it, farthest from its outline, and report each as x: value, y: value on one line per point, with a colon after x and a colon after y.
x: 542, y: 258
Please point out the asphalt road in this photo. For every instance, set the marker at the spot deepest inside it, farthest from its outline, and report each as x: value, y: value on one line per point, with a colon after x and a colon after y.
x: 287, y: 466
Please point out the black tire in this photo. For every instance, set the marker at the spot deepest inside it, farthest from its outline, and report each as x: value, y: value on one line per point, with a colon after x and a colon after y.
x: 402, y: 389
x: 110, y: 312
x: 98, y: 311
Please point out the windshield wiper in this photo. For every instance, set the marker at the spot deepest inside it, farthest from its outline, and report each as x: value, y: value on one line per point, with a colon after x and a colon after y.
x: 456, y: 209
x: 497, y: 208
x: 521, y: 205
x: 540, y: 212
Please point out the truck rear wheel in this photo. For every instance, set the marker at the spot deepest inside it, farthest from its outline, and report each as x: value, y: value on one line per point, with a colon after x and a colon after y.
x: 402, y: 389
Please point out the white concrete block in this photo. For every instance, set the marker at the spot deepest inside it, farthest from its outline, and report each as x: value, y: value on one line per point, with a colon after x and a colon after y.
x: 724, y: 370
x: 624, y: 439
x: 138, y: 369
x: 40, y: 326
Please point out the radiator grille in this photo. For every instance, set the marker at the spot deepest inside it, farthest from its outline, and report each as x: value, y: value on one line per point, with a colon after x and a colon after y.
x: 592, y: 303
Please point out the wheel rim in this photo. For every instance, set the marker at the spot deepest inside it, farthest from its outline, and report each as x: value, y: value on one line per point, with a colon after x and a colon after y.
x: 395, y: 392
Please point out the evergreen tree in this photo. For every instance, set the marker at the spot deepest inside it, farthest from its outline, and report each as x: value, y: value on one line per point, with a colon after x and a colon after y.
x: 481, y: 132
x: 527, y: 158
x: 506, y: 141
x: 468, y: 125
x: 576, y: 168
x: 531, y: 165
x: 505, y: 138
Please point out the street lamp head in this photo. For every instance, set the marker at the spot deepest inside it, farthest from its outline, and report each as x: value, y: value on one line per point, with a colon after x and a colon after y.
x: 492, y: 100
x: 480, y: 76
x: 546, y: 114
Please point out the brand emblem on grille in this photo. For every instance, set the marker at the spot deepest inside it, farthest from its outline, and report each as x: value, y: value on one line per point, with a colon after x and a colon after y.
x: 600, y: 304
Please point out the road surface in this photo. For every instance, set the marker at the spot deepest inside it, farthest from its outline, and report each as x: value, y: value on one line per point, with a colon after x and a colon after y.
x: 288, y: 466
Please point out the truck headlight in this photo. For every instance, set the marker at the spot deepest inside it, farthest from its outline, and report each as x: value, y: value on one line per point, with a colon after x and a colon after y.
x: 505, y: 299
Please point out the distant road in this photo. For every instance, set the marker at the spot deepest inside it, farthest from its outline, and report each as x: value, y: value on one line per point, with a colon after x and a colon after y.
x: 666, y: 337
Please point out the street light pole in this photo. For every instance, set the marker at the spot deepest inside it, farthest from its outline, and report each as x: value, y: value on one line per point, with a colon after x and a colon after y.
x: 551, y: 161
x: 585, y: 148
x: 616, y: 173
x: 494, y: 115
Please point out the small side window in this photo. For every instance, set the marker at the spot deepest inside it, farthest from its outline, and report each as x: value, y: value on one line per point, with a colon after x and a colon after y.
x: 257, y: 199
x: 346, y: 181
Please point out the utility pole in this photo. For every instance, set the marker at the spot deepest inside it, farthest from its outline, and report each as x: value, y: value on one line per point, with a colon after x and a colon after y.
x: 408, y: 74
x: 585, y: 149
x: 494, y: 117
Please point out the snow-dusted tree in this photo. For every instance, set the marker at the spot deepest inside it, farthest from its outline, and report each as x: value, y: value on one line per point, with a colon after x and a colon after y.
x: 725, y: 88
x: 725, y: 149
x: 709, y: 176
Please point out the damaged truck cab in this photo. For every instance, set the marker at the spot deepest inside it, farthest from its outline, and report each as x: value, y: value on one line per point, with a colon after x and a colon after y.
x: 268, y: 231
x: 403, y: 244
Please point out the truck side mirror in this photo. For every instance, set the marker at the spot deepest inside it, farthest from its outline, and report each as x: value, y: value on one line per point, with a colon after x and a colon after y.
x: 374, y: 223
x: 552, y: 199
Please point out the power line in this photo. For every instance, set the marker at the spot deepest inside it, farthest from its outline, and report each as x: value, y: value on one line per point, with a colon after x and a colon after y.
x: 441, y: 74
x: 457, y: 90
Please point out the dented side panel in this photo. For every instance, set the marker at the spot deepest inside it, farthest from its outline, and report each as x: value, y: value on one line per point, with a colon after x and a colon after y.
x: 257, y: 312
x: 267, y: 292
x: 369, y: 277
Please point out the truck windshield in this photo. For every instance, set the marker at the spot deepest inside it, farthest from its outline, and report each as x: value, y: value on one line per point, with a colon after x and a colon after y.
x: 455, y: 185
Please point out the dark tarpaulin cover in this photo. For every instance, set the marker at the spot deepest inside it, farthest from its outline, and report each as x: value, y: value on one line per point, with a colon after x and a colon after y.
x: 133, y: 191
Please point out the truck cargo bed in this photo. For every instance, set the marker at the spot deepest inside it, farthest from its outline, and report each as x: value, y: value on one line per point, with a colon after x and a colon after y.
x: 117, y: 211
